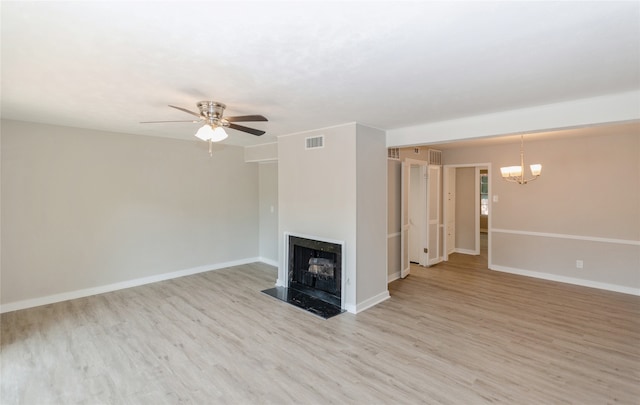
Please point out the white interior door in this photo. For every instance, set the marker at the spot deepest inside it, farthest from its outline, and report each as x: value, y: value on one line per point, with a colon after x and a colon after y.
x: 416, y: 215
x: 433, y: 197
x: 420, y: 223
x: 450, y: 209
x: 413, y: 207
x: 405, y: 265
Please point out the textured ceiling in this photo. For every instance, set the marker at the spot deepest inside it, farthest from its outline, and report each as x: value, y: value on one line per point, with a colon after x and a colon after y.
x: 307, y: 65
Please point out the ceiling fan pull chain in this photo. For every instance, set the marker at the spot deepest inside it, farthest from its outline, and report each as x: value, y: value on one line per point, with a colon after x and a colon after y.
x: 210, y: 147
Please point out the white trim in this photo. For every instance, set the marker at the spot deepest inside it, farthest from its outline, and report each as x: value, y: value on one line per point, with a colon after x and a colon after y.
x: 565, y: 236
x: 569, y: 280
x: 405, y: 272
x: 320, y: 129
x: 270, y: 262
x: 394, y: 235
x: 423, y: 227
x: 393, y: 277
x: 478, y: 167
x: 466, y: 251
x: 430, y: 261
x: 368, y: 303
x: 86, y: 292
x: 261, y: 144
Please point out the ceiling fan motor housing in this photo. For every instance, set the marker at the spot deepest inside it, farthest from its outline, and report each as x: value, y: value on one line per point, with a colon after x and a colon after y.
x: 212, y: 111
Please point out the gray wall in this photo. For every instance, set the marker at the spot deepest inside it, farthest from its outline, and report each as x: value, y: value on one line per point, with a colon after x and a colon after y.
x: 320, y: 192
x: 371, y: 187
x: 268, y: 192
x: 316, y: 193
x: 84, y: 208
x: 585, y: 206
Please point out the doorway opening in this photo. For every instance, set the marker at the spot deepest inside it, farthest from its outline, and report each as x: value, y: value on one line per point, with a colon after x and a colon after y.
x: 421, y: 202
x: 467, y: 211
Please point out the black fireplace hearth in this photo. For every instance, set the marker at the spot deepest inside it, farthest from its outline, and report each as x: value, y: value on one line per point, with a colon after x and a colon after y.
x: 305, y: 301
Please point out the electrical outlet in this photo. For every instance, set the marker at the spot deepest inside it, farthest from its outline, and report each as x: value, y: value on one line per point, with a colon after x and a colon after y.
x: 579, y: 264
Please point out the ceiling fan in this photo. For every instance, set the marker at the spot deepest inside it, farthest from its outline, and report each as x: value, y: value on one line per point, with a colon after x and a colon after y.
x: 212, y: 116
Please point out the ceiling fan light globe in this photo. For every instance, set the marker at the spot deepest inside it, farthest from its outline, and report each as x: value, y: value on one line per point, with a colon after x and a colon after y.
x: 219, y: 134
x: 205, y: 133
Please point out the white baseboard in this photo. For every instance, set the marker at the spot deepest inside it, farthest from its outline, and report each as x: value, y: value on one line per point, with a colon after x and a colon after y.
x: 568, y: 280
x: 405, y: 273
x: 393, y: 277
x: 87, y: 292
x: 70, y: 295
x: 270, y: 262
x: 366, y: 304
x: 466, y: 251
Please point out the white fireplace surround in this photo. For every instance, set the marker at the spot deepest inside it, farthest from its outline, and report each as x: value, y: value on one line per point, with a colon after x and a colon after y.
x: 283, y: 278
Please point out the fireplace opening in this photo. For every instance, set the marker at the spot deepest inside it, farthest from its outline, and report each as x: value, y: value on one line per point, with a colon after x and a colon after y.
x: 314, y: 276
x: 315, y: 267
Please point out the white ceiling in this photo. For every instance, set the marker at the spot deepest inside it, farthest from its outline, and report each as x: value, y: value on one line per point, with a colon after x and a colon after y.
x: 307, y: 65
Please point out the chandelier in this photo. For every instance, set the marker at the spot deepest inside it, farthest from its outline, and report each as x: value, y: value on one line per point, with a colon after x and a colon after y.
x: 516, y: 173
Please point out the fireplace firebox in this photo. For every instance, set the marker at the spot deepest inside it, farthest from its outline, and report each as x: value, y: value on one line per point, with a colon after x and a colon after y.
x: 314, y: 276
x: 315, y: 267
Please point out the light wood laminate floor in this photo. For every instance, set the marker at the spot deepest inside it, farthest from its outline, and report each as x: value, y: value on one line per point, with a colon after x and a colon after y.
x: 455, y: 333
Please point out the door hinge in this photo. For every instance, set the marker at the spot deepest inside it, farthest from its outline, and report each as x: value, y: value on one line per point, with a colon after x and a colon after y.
x: 426, y: 250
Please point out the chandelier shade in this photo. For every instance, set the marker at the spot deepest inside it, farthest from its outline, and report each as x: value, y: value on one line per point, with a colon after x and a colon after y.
x: 516, y: 173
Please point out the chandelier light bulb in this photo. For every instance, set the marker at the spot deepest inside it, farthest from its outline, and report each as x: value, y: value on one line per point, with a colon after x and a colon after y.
x: 516, y: 173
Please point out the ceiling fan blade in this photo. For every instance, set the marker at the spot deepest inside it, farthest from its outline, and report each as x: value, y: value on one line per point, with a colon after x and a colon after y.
x: 159, y: 122
x: 251, y: 131
x: 246, y: 118
x: 185, y: 110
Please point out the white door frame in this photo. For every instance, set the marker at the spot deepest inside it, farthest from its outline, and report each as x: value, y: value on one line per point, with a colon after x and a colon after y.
x: 416, y: 197
x: 434, y: 202
x: 448, y: 211
x: 405, y: 265
x: 478, y: 167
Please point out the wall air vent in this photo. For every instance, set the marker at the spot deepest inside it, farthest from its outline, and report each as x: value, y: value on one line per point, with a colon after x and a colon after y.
x: 393, y: 153
x: 435, y: 157
x: 314, y: 142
